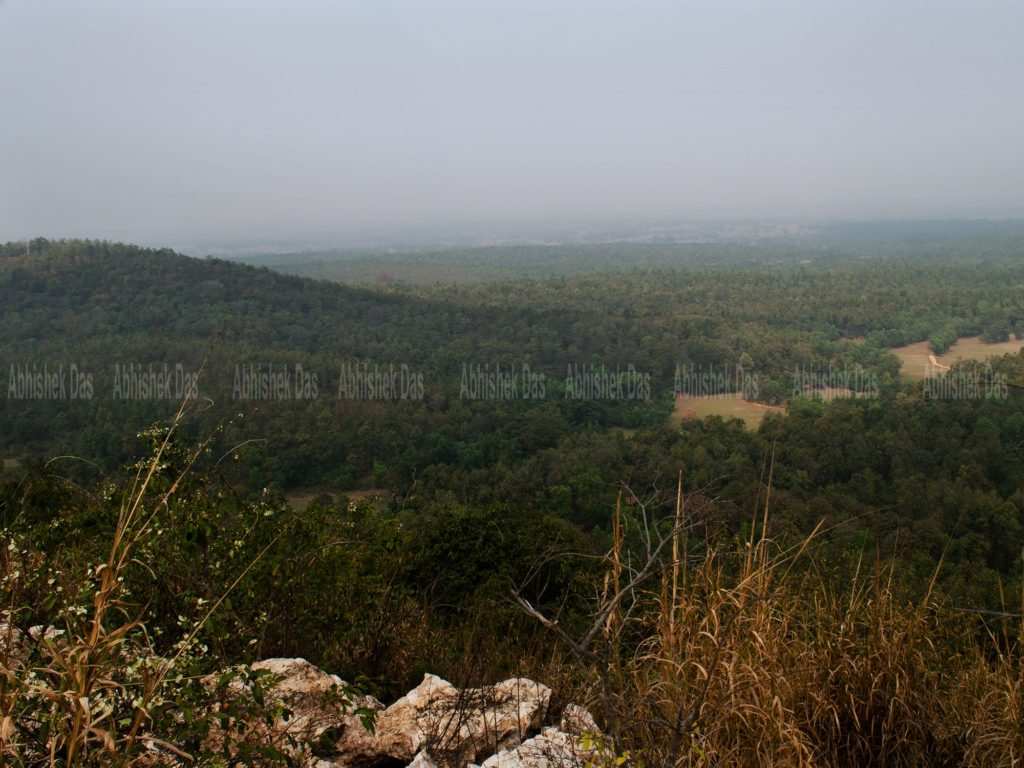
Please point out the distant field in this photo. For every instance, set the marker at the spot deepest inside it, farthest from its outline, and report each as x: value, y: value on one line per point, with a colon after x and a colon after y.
x: 729, y: 407
x: 916, y: 358
x: 9, y: 465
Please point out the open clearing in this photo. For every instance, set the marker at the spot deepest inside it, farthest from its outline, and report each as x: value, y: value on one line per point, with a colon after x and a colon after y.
x: 918, y: 362
x: 728, y: 406
x: 9, y: 465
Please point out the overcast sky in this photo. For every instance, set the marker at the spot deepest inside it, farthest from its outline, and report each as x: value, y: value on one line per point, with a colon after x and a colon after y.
x: 171, y: 122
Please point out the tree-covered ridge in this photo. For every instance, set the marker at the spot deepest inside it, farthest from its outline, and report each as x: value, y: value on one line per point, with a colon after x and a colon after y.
x: 97, y: 304
x: 707, y: 315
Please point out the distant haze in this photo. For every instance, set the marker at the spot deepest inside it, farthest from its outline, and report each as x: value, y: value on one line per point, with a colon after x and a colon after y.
x: 172, y: 122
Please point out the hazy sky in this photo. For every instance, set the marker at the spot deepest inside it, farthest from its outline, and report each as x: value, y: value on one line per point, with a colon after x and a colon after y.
x: 168, y: 121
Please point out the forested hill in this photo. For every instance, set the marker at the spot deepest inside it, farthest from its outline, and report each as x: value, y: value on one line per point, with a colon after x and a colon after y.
x: 95, y: 306
x: 110, y: 300
x: 69, y: 293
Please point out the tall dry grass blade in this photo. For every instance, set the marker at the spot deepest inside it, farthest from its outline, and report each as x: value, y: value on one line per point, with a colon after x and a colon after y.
x: 676, y: 555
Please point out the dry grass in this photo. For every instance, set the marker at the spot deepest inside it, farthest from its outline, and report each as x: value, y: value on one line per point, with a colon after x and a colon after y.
x: 915, y: 362
x: 728, y: 406
x: 76, y: 684
x: 738, y: 661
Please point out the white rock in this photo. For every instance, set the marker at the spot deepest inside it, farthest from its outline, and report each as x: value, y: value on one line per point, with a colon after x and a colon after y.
x: 319, y: 715
x: 577, y: 720
x: 422, y: 760
x: 435, y: 725
x: 457, y: 726
x: 405, y: 727
x: 551, y: 749
x: 50, y: 633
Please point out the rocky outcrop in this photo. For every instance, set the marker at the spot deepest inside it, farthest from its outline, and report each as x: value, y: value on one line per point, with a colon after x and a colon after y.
x: 435, y: 725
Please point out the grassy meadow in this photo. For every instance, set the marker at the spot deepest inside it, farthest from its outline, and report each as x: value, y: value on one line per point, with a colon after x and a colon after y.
x: 916, y: 361
x: 728, y: 406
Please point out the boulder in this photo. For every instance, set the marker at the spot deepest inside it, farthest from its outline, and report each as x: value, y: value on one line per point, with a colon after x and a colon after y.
x: 456, y: 726
x: 552, y: 748
x: 322, y: 729
x: 405, y: 727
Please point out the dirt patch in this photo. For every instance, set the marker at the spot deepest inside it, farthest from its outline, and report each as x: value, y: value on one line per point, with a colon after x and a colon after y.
x: 728, y: 406
x: 973, y: 348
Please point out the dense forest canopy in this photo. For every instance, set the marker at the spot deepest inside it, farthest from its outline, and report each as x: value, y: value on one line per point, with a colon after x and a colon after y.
x: 947, y: 474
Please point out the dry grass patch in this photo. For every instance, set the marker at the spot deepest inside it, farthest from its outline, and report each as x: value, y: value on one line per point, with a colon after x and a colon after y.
x: 741, y: 657
x: 973, y: 348
x: 729, y: 406
x: 918, y: 361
